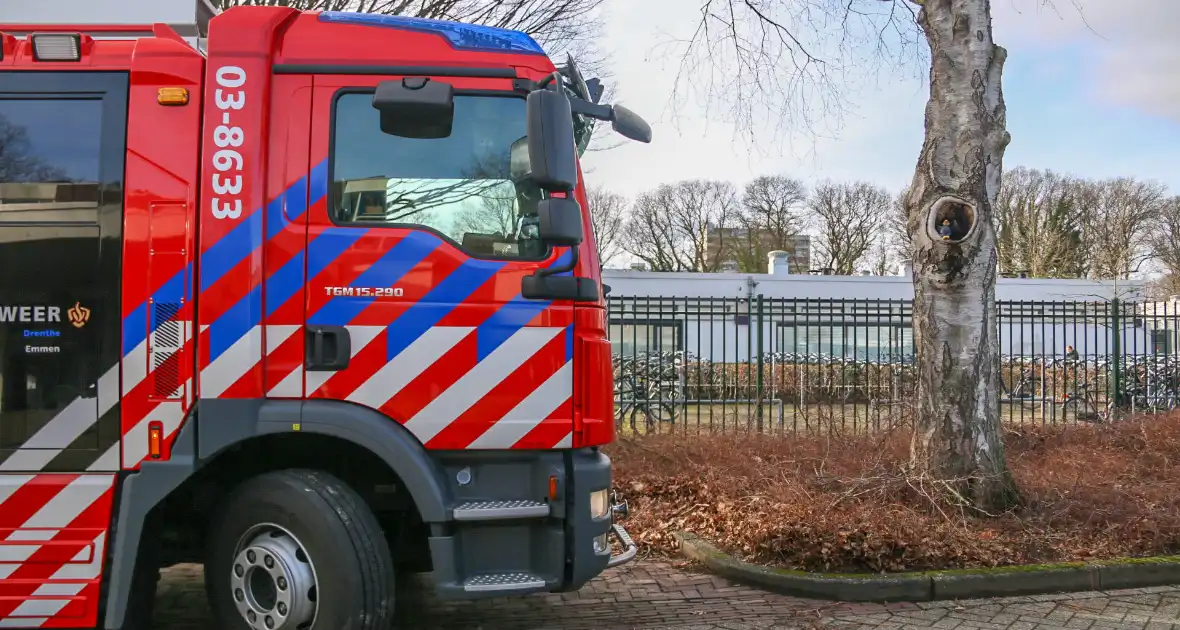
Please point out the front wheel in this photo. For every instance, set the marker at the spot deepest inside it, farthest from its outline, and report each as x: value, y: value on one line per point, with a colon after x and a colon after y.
x: 298, y: 550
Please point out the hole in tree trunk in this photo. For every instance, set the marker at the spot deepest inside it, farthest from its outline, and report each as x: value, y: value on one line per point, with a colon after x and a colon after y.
x: 951, y: 220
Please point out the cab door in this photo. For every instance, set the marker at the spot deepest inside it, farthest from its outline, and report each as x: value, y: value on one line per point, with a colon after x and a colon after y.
x: 415, y: 257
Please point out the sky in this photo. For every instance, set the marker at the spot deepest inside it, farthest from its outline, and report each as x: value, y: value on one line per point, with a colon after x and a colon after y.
x: 1092, y: 88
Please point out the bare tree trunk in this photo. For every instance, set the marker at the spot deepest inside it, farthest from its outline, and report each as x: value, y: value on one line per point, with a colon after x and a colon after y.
x: 957, y: 433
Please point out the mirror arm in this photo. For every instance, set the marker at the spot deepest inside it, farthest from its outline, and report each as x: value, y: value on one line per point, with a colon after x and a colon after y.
x: 593, y: 110
x: 541, y: 273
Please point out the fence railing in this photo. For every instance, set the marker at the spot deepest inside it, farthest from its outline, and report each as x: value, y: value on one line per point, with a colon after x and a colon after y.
x: 765, y: 364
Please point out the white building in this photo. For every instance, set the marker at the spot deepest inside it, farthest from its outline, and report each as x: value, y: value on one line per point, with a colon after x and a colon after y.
x: 716, y: 315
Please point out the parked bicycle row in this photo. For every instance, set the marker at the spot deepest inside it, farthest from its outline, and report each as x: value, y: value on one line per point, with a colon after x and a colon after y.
x: 660, y: 385
x: 683, y: 358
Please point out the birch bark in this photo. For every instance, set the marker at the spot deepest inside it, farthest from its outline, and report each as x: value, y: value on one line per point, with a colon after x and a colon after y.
x: 958, y: 434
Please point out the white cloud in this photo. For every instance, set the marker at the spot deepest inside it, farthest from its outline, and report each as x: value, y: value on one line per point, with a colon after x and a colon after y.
x: 1133, y: 43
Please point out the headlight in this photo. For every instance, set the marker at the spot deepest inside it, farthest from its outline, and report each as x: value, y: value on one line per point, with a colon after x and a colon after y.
x: 599, y: 504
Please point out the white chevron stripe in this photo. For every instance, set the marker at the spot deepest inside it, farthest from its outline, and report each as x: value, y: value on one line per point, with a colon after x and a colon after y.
x: 69, y: 580
x: 361, y: 336
x: 480, y: 380
x: 565, y: 442
x: 291, y: 385
x: 277, y: 334
x: 45, y: 523
x: 135, y: 367
x: 408, y: 364
x: 110, y: 459
x: 234, y: 363
x: 70, y: 423
x: 525, y: 416
x: 9, y: 484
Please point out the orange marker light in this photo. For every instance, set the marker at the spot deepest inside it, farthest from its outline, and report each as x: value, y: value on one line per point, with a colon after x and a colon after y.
x: 552, y: 487
x: 172, y: 96
x: 155, y: 439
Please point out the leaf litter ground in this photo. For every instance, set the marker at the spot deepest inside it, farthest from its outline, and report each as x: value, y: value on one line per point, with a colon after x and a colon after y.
x: 846, y: 504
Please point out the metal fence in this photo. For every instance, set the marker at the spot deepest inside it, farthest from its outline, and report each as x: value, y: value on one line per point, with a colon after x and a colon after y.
x: 772, y: 365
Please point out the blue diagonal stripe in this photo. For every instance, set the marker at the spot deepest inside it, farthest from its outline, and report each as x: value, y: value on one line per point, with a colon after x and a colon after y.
x: 509, y: 318
x: 562, y: 260
x: 569, y: 342
x: 283, y: 284
x: 135, y: 325
x: 232, y: 249
x: 512, y: 316
x: 318, y: 186
x: 289, y: 280
x: 235, y: 323
x: 286, y: 208
x: 441, y: 300
x: 328, y: 246
x: 386, y: 272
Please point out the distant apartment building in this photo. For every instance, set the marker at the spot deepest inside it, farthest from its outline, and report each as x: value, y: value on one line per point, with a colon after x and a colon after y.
x: 734, y: 247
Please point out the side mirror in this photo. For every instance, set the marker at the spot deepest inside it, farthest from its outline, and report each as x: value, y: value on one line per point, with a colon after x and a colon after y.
x: 551, y: 140
x: 519, y: 166
x: 630, y: 125
x: 560, y: 222
x: 415, y: 107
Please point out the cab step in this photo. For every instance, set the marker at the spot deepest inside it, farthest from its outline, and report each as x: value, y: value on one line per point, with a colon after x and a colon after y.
x: 503, y: 583
x: 500, y: 510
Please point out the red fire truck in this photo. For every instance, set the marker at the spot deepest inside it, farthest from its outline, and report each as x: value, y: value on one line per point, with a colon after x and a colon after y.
x: 307, y: 297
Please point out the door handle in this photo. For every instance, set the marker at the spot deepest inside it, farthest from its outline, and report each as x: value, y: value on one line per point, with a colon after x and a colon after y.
x: 328, y: 348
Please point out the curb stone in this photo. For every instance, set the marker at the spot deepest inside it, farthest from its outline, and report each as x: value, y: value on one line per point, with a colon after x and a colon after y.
x: 924, y: 586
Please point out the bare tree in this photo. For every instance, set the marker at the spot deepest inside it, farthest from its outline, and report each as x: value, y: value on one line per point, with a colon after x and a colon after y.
x: 1165, y: 245
x: 17, y: 163
x: 567, y: 25
x: 895, y: 231
x: 1117, y: 216
x: 686, y: 226
x: 1039, y: 226
x: 879, y: 258
x: 608, y: 212
x: 847, y: 218
x: 770, y: 219
x: 787, y: 62
x: 788, y: 58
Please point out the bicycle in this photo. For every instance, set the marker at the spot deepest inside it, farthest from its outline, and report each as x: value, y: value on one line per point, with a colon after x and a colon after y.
x: 649, y: 384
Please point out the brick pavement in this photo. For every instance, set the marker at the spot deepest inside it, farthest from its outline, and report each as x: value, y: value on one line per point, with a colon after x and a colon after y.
x: 652, y: 594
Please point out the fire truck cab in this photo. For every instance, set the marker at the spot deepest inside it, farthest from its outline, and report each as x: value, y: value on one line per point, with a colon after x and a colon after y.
x: 310, y: 298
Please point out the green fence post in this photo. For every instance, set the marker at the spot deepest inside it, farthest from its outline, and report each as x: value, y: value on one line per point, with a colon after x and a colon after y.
x: 761, y: 364
x: 1116, y: 386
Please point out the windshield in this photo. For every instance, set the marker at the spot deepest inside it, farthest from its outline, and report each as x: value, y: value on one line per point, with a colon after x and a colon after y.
x: 471, y: 187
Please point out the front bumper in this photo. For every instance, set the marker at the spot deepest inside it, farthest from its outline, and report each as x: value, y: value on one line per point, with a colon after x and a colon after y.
x: 630, y: 549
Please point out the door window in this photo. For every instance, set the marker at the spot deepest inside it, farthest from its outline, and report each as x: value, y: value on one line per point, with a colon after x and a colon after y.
x: 471, y: 187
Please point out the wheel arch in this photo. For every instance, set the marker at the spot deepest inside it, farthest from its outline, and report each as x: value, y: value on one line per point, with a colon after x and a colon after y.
x: 227, y: 423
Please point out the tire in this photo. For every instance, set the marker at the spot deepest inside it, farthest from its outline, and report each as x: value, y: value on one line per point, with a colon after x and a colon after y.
x: 348, y: 561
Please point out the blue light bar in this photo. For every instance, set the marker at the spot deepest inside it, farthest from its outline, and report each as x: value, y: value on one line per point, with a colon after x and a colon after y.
x: 461, y: 36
